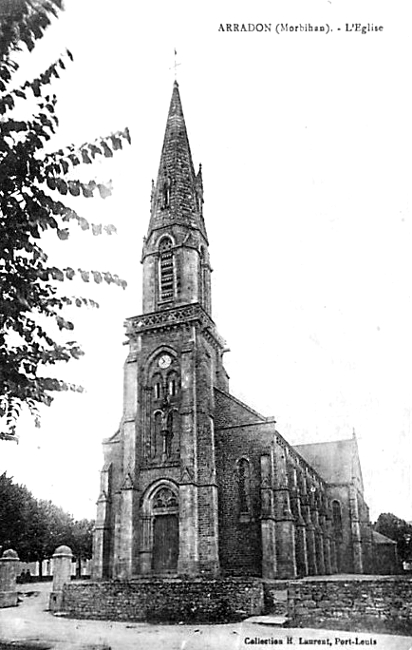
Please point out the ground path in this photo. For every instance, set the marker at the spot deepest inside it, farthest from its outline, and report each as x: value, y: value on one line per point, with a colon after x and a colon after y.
x: 31, y: 623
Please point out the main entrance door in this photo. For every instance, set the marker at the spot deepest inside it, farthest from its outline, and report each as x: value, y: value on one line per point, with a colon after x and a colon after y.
x: 165, y: 543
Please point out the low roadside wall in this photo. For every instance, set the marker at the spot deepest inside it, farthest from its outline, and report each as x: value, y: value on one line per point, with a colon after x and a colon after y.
x: 164, y: 599
x: 372, y: 603
x: 356, y: 603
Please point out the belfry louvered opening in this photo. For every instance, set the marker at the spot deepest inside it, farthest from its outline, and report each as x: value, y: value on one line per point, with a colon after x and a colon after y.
x: 166, y: 270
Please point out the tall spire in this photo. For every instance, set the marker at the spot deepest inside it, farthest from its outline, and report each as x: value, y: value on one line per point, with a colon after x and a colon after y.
x: 177, y: 196
x: 175, y: 255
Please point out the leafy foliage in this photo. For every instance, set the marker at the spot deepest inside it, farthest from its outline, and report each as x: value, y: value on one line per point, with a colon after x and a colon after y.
x: 30, y: 181
x: 397, y: 529
x: 80, y: 540
x: 14, y: 512
x: 35, y: 528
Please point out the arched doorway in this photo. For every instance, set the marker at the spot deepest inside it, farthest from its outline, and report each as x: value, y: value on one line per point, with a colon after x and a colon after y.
x: 165, y: 509
x: 159, y: 549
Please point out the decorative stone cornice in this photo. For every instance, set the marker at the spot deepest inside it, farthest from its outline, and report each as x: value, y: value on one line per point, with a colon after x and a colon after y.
x: 170, y: 318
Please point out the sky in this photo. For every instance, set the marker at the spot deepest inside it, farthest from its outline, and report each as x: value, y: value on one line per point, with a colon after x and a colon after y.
x: 304, y: 140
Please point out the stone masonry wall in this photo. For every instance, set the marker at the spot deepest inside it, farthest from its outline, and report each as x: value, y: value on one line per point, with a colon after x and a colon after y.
x: 381, y: 603
x: 230, y: 411
x: 344, y: 551
x: 163, y: 599
x: 240, y: 545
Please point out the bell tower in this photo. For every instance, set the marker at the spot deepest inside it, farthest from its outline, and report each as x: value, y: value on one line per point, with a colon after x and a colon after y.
x: 176, y: 266
x: 158, y: 507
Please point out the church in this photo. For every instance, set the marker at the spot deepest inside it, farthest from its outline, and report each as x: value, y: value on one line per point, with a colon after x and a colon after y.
x: 195, y: 482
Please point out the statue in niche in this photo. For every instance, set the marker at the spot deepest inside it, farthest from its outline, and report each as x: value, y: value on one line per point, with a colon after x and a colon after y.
x: 167, y: 428
x: 166, y: 405
x: 165, y: 420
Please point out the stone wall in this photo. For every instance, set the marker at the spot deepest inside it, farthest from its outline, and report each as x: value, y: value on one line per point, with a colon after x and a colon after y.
x: 386, y: 559
x: 229, y: 410
x: 381, y: 603
x: 164, y: 599
x: 240, y: 540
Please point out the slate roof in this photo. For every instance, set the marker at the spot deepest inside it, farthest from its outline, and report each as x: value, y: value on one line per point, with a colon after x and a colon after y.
x: 336, y: 461
x: 378, y: 538
x: 176, y: 171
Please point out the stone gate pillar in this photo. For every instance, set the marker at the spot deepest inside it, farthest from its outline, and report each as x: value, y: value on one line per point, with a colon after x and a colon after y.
x: 62, y: 565
x: 9, y: 562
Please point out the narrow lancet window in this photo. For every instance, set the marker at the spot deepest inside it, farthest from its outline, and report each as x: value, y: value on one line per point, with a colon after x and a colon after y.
x: 243, y: 470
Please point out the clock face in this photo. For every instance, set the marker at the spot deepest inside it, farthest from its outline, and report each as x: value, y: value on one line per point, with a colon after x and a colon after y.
x: 165, y: 361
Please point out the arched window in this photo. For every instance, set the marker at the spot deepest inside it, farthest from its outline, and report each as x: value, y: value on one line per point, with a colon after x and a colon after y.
x: 243, y: 476
x: 163, y: 440
x: 166, y: 270
x: 157, y: 386
x: 337, y: 518
x: 172, y: 384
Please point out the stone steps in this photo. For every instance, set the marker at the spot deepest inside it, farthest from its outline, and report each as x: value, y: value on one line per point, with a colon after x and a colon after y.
x: 277, y: 602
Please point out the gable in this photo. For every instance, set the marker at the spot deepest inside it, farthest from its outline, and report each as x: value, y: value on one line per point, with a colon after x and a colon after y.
x: 230, y: 411
x: 336, y: 461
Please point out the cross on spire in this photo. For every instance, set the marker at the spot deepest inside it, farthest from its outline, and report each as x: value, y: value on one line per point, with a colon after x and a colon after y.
x: 175, y: 64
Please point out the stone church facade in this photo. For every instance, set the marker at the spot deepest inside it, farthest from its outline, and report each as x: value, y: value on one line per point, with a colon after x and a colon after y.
x: 195, y: 481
